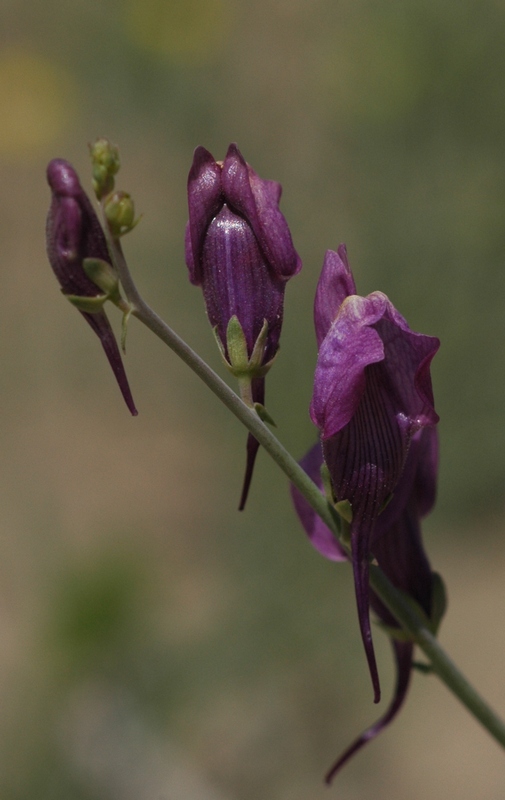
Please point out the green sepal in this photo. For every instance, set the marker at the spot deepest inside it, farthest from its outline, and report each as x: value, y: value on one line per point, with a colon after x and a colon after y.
x: 255, y: 362
x: 88, y: 305
x: 104, y: 276
x: 237, y: 348
x: 220, y: 346
x: 344, y: 509
x: 124, y: 327
x: 264, y: 415
x: 238, y: 361
x: 326, y: 481
x: 345, y: 534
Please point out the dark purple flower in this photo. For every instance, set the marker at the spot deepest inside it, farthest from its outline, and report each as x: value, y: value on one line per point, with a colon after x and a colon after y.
x: 397, y: 547
x: 372, y: 393
x: 239, y: 250
x: 73, y: 233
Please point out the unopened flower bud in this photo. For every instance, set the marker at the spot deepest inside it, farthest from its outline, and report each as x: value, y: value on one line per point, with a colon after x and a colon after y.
x: 239, y: 250
x: 74, y: 239
x: 105, y: 164
x: 120, y: 213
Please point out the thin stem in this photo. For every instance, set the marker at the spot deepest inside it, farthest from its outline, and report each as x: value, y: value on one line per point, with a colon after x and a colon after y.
x: 403, y: 612
x: 445, y: 668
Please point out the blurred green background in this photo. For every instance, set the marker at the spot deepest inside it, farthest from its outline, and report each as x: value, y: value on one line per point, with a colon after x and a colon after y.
x: 155, y: 643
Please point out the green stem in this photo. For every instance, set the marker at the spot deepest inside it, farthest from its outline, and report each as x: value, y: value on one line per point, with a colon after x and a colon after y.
x: 445, y: 668
x: 402, y: 611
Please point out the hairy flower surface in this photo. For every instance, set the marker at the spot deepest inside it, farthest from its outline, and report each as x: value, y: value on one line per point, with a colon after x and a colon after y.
x: 372, y: 393
x: 73, y: 233
x: 239, y: 250
x: 397, y: 546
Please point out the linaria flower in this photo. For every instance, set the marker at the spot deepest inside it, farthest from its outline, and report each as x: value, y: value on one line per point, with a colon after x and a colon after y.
x: 398, y: 549
x: 372, y: 393
x: 239, y: 250
x: 73, y: 234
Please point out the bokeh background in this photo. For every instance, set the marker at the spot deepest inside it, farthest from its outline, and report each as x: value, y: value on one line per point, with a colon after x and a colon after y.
x: 154, y: 643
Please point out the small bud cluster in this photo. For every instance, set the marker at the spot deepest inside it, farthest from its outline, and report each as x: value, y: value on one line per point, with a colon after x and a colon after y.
x: 118, y: 205
x: 105, y: 165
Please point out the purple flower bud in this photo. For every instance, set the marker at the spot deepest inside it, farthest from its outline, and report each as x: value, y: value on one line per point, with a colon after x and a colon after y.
x: 239, y: 250
x: 372, y: 393
x: 73, y: 233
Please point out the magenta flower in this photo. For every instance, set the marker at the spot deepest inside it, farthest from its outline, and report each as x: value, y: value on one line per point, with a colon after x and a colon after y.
x: 73, y: 234
x: 239, y: 250
x: 397, y: 546
x: 372, y: 393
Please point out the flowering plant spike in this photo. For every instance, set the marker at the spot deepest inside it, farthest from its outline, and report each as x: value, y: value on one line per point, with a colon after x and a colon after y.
x: 363, y: 490
x: 75, y: 240
x: 239, y: 250
x: 372, y: 394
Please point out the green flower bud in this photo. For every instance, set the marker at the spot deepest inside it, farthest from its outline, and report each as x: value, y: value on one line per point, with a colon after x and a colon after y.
x: 105, y: 164
x: 120, y: 213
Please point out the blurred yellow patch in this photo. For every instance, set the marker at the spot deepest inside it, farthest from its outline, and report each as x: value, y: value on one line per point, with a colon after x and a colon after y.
x: 37, y: 101
x: 185, y: 31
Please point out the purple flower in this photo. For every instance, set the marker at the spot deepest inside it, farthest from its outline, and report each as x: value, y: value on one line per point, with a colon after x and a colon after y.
x: 397, y: 546
x: 239, y: 250
x: 372, y: 393
x: 73, y: 233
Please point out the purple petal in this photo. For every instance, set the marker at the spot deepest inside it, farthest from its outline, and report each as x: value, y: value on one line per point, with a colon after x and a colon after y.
x: 257, y: 200
x: 237, y: 281
x: 361, y: 531
x: 319, y: 534
x: 403, y: 656
x: 252, y: 447
x: 397, y: 544
x: 204, y: 199
x: 408, y: 356
x: 63, y: 179
x: 400, y: 555
x: 427, y: 471
x: 417, y: 483
x: 368, y: 330
x: 350, y: 346
x: 102, y: 328
x: 335, y: 284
